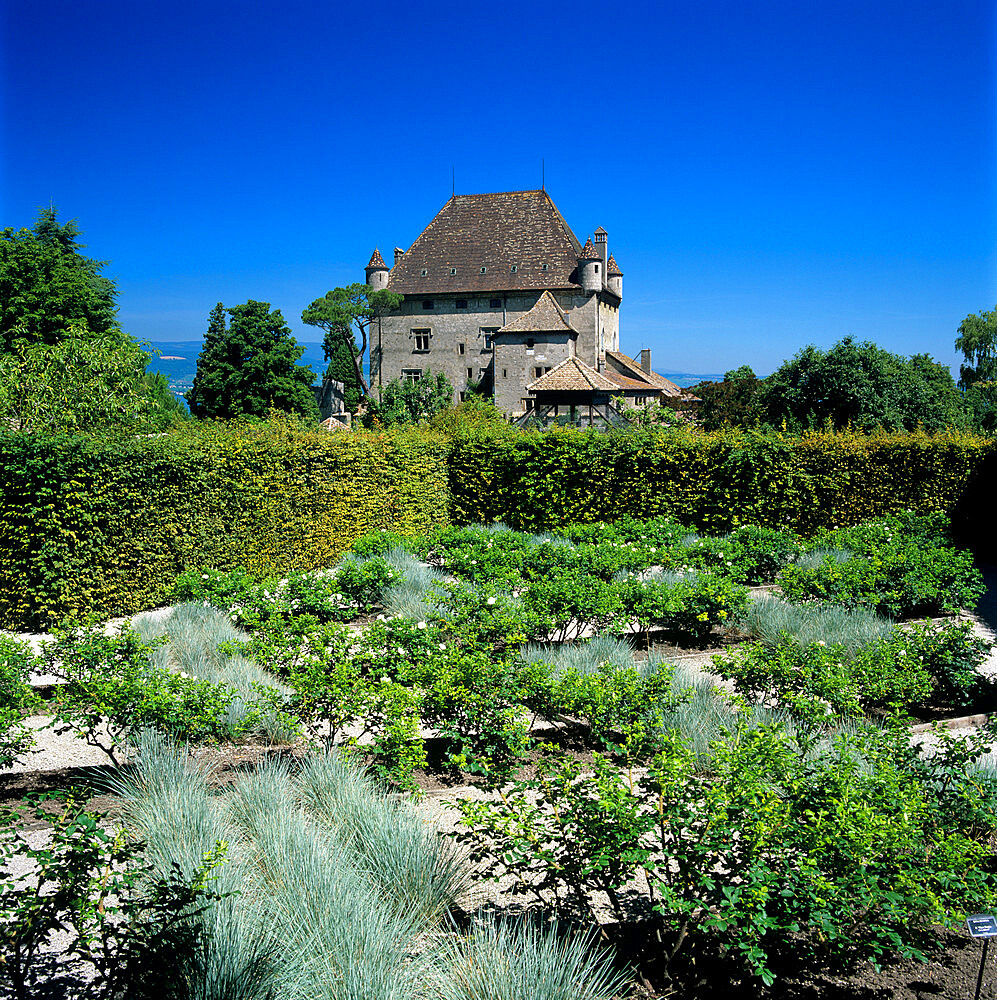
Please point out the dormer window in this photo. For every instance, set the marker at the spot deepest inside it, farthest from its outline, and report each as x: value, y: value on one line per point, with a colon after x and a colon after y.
x: 427, y: 303
x: 494, y: 303
x: 462, y: 303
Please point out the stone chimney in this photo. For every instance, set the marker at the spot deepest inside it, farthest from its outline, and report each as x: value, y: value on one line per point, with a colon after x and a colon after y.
x: 398, y: 254
x: 645, y: 359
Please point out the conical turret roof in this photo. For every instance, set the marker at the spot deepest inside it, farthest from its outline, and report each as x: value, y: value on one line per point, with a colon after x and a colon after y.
x: 377, y: 261
x: 589, y: 252
x: 612, y: 268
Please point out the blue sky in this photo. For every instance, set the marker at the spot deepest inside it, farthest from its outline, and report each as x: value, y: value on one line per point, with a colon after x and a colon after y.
x: 770, y: 174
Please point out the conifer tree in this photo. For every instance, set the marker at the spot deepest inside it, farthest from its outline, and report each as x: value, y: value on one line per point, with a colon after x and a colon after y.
x: 250, y: 366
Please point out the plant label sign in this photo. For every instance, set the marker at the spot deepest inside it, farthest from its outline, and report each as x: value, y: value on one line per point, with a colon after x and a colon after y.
x: 983, y: 925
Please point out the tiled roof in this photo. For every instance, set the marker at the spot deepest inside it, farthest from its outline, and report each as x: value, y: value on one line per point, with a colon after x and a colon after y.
x: 612, y: 268
x: 589, y: 252
x: 659, y: 382
x: 545, y: 317
x: 521, y: 229
x: 377, y: 261
x: 570, y: 374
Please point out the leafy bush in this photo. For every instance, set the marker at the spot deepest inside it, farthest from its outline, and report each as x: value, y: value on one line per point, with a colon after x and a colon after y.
x: 904, y: 670
x: 110, y: 690
x: 760, y: 848
x: 17, y: 699
x: 901, y: 566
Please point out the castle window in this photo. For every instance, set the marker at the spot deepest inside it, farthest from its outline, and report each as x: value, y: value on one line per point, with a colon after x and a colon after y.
x: 460, y: 348
x: 462, y: 303
x: 470, y: 372
x: 543, y: 267
x: 514, y: 268
x: 596, y: 268
x: 494, y: 303
x: 411, y: 374
x: 427, y: 303
x: 483, y: 269
x: 488, y: 332
x: 453, y: 270
x: 421, y: 339
x: 537, y: 372
x: 424, y: 272
x: 505, y: 373
x: 529, y: 343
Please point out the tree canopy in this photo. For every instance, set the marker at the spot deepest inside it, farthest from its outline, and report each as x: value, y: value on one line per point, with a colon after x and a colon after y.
x: 83, y: 383
x: 861, y: 385
x: 46, y: 284
x: 250, y: 366
x: 338, y: 313
x: 405, y: 401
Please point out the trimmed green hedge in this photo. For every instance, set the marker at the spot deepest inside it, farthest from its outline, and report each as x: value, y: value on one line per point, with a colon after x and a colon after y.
x: 714, y: 482
x: 93, y: 526
x: 100, y: 526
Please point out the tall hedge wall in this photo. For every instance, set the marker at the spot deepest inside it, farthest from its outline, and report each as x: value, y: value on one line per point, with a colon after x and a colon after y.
x: 713, y: 481
x: 104, y: 527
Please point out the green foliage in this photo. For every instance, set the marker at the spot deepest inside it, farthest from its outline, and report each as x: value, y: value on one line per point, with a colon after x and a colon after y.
x: 106, y: 526
x: 17, y: 699
x: 250, y: 368
x: 841, y: 845
x: 47, y: 285
x: 538, y: 480
x: 907, y: 669
x: 977, y: 341
x: 860, y: 385
x: 901, y: 566
x: 133, y: 929
x: 734, y: 402
x: 83, y: 382
x: 110, y: 691
x: 408, y: 401
x: 337, y: 313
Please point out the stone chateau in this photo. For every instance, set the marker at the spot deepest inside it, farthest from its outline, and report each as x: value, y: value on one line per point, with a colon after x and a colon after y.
x: 499, y: 293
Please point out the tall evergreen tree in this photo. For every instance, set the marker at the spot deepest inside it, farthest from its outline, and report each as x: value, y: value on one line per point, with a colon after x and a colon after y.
x: 250, y: 366
x: 46, y: 285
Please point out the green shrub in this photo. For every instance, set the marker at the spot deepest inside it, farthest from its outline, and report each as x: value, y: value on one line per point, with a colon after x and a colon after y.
x: 759, y: 853
x: 905, y: 670
x: 17, y: 699
x: 110, y: 691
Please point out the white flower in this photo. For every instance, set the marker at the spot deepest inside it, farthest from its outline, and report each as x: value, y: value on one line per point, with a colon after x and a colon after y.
x: 204, y: 576
x: 443, y: 647
x: 421, y: 625
x: 490, y: 601
x: 185, y: 676
x: 820, y: 642
x: 401, y: 652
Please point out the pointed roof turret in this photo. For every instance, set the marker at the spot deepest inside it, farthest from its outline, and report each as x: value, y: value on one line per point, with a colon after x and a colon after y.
x: 612, y: 268
x: 589, y: 252
x: 377, y: 262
